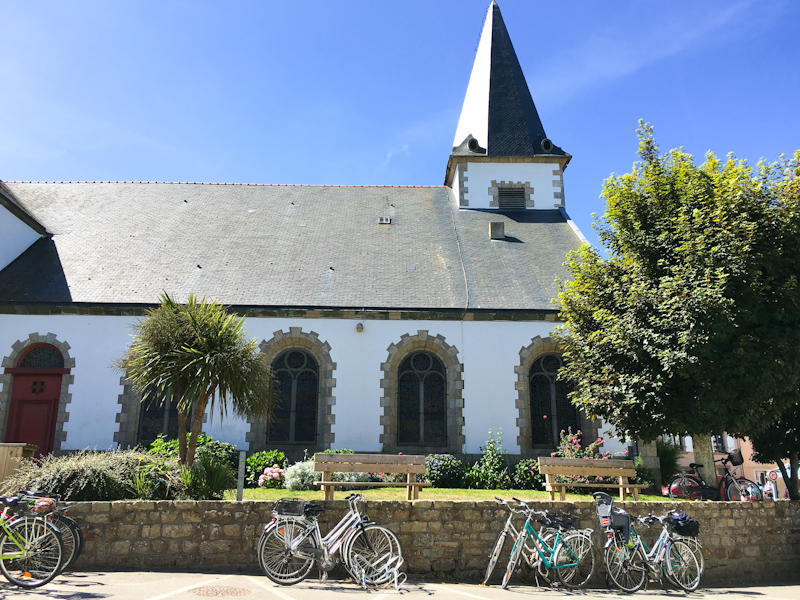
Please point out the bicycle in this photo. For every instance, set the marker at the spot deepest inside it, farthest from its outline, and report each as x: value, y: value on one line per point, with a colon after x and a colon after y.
x: 568, y: 554
x: 629, y: 561
x: 690, y: 485
x: 31, y: 548
x: 529, y: 554
x: 292, y: 543
x: 71, y: 532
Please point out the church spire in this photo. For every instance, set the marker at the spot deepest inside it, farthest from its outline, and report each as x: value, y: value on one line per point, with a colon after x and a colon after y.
x: 502, y: 159
x: 498, y: 110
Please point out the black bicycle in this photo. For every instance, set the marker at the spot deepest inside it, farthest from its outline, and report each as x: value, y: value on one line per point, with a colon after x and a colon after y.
x: 690, y: 485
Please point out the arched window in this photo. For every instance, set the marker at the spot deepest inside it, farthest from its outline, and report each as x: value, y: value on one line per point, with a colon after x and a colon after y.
x: 158, y: 417
x: 422, y: 401
x: 42, y: 357
x: 551, y: 410
x: 294, y: 420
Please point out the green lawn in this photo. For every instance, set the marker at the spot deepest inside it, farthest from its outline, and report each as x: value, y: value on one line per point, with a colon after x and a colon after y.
x: 271, y: 495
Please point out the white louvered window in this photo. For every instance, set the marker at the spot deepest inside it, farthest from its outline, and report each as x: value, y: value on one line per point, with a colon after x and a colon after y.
x: 511, y: 198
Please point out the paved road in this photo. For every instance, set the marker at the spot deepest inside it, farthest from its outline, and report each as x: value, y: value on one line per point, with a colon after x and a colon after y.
x: 191, y: 586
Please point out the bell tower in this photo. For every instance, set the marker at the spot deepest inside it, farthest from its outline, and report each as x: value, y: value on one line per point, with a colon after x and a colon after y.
x: 502, y: 159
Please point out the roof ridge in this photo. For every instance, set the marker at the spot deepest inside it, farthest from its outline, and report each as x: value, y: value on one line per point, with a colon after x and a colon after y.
x: 235, y: 184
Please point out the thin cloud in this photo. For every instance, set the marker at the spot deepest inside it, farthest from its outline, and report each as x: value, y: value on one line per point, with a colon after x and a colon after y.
x: 604, y: 58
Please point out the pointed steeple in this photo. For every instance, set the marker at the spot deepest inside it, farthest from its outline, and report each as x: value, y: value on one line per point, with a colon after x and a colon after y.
x: 498, y: 110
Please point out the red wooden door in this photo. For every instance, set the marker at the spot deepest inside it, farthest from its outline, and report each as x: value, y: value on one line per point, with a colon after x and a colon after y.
x: 33, y: 411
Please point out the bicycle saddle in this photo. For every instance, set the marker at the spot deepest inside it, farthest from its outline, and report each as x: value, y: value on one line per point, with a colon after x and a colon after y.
x: 10, y: 501
x: 313, y: 510
x: 695, y: 465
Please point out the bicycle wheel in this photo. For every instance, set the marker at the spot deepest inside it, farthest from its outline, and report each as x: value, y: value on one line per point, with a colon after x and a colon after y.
x: 516, y: 552
x: 682, y: 566
x: 574, y: 560
x: 495, y: 555
x: 626, y: 566
x: 277, y: 560
x: 72, y: 537
x: 34, y: 548
x: 697, y: 549
x: 685, y: 487
x: 743, y: 489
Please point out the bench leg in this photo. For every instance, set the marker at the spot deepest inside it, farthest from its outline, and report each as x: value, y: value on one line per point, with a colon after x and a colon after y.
x: 326, y: 476
x: 635, y: 492
x: 623, y: 484
x: 549, y: 481
x: 410, y: 489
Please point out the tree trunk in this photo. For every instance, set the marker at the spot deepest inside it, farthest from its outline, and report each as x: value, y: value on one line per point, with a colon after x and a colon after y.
x: 704, y: 455
x: 790, y: 478
x: 197, y: 425
x: 182, y: 438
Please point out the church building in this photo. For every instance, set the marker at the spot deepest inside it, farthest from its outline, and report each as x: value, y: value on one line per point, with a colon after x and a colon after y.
x: 397, y: 319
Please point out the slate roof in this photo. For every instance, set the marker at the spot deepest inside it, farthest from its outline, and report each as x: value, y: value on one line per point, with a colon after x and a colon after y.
x: 282, y: 246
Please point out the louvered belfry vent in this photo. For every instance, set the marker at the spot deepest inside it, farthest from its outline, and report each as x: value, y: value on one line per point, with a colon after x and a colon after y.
x: 511, y: 198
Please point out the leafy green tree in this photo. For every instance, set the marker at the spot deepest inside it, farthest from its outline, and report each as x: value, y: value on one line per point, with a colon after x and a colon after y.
x: 691, y: 325
x: 197, y: 352
x: 780, y: 442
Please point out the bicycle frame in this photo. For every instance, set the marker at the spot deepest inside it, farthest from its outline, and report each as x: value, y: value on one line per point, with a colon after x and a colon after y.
x: 542, y: 548
x: 331, y: 542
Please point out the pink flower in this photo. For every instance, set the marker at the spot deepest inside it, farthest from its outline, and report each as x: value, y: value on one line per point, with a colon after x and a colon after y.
x: 562, y: 432
x: 599, y: 440
x: 552, y: 454
x: 544, y: 416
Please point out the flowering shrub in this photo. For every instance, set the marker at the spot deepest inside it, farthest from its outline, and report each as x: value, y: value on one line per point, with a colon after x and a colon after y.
x: 570, y: 446
x: 444, y: 471
x: 272, y: 477
x: 301, y: 476
x: 490, y: 472
x: 259, y: 461
x: 526, y: 475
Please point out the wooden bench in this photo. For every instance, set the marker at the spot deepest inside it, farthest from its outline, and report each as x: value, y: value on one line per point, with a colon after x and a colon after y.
x: 612, y: 468
x: 411, y: 465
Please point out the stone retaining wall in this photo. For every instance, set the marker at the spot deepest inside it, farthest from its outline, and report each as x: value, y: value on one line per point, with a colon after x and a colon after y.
x: 743, y: 542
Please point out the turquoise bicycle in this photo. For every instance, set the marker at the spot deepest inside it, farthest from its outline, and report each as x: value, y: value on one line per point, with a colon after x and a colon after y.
x: 567, y: 556
x: 630, y: 562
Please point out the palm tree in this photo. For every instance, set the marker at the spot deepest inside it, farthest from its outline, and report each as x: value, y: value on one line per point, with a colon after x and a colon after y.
x: 197, y: 352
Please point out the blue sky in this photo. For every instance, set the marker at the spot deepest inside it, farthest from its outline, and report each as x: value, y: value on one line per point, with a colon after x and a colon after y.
x: 369, y: 92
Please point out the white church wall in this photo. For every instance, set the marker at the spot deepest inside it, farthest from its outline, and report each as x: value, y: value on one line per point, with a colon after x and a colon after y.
x: 15, y: 237
x: 488, y: 350
x: 544, y: 178
x: 94, y: 341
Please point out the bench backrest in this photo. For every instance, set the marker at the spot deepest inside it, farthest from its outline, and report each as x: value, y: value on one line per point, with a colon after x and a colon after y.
x: 582, y: 466
x: 369, y: 463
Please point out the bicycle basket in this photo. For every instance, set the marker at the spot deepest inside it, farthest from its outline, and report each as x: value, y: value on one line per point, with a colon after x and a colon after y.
x: 289, y: 507
x: 687, y: 527
x: 43, y: 506
x: 735, y: 458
